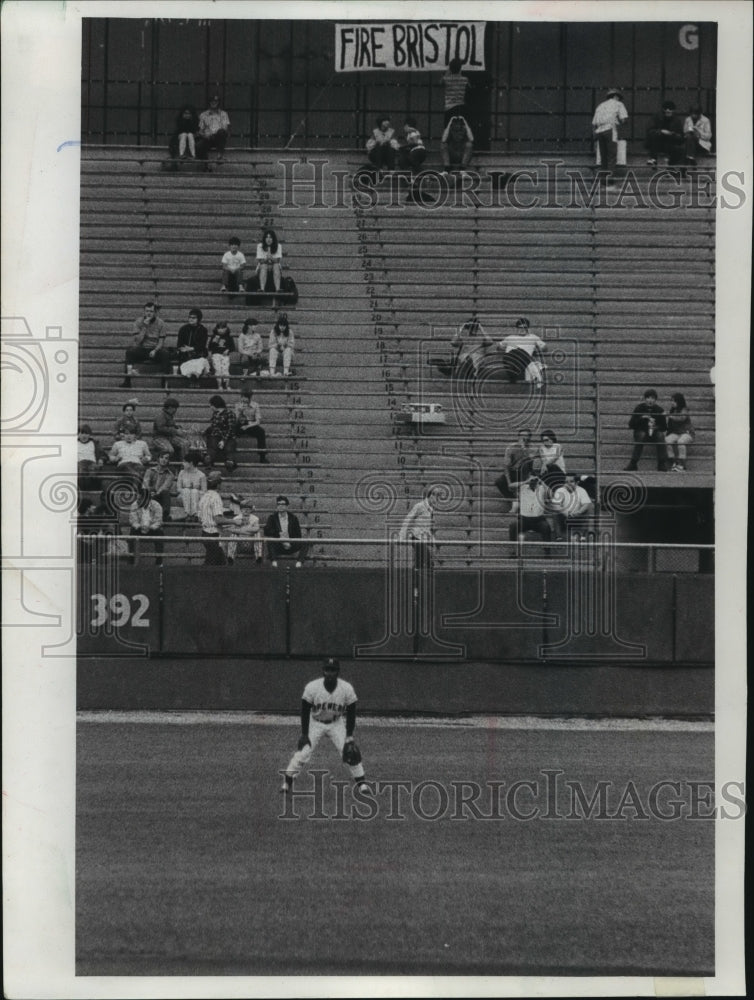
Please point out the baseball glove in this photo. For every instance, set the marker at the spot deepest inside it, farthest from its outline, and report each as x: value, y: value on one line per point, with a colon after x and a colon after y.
x: 351, y: 754
x: 303, y: 741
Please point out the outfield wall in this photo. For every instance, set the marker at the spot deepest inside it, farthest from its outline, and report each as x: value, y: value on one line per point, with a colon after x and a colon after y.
x: 537, y: 641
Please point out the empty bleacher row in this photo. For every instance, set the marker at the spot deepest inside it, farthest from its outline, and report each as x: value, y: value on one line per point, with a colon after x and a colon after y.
x: 379, y: 291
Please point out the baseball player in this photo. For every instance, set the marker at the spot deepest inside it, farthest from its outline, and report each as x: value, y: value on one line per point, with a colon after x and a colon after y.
x: 328, y: 708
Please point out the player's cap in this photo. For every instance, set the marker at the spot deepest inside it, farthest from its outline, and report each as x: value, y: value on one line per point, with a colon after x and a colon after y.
x: 214, y: 477
x: 614, y: 92
x: 331, y: 664
x: 522, y: 322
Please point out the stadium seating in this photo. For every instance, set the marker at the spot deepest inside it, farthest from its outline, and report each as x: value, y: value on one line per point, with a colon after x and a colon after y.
x: 624, y: 298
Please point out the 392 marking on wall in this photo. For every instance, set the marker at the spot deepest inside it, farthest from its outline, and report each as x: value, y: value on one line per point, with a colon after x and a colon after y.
x: 118, y: 610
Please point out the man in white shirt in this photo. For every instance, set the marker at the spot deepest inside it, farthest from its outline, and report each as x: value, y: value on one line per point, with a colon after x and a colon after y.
x: 145, y: 518
x: 697, y: 135
x: 130, y: 455
x: 608, y: 126
x: 328, y: 708
x: 531, y: 511
x: 212, y: 515
x: 522, y: 353
x: 573, y: 507
x: 214, y: 129
x: 419, y: 528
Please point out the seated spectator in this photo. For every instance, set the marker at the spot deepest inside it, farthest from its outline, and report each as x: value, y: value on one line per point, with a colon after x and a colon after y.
x: 221, y: 434
x: 249, y: 421
x: 220, y: 346
x: 285, y: 527
x: 382, y: 145
x: 246, y: 523
x: 454, y: 86
x: 145, y: 519
x: 517, y: 467
x: 472, y: 345
x: 148, y: 344
x: 127, y: 419
x: 167, y: 433
x: 191, y: 484
x: 212, y: 515
x: 531, y: 511
x: 269, y: 260
x: 551, y: 463
x: 214, y: 129
x: 648, y: 424
x: 89, y: 460
x: 100, y: 526
x: 412, y: 153
x: 522, y: 355
x: 192, y: 347
x: 251, y: 348
x: 573, y: 508
x: 159, y: 481
x: 456, y: 144
x: 281, y: 346
x: 130, y: 456
x: 233, y: 263
x: 665, y: 136
x: 183, y: 139
x: 697, y: 135
x: 680, y: 432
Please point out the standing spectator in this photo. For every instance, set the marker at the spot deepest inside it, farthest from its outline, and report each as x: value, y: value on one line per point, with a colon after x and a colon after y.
x: 89, y: 460
x: 285, y: 528
x: 192, y: 346
x: 608, y: 125
x: 454, y: 85
x: 522, y: 355
x: 456, y: 144
x: 130, y: 456
x: 251, y: 347
x: 221, y: 434
x: 245, y: 523
x: 531, y: 511
x: 159, y: 481
x: 551, y: 460
x: 281, y: 345
x: 648, y: 424
x: 418, y: 528
x: 665, y: 136
x: 680, y: 432
x: 166, y: 432
x: 249, y: 421
x: 382, y: 145
x: 574, y: 508
x: 184, y: 136
x: 233, y: 263
x: 697, y: 135
x: 517, y: 467
x: 148, y: 344
x: 145, y: 518
x: 191, y: 484
x: 412, y: 153
x: 127, y: 419
x: 269, y: 260
x: 214, y: 129
x: 212, y: 515
x: 220, y: 345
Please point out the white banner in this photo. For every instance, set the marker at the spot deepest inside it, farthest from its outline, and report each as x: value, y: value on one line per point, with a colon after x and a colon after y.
x: 408, y: 45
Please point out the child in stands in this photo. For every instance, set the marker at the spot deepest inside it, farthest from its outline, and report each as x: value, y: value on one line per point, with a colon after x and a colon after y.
x: 233, y: 264
x: 220, y: 345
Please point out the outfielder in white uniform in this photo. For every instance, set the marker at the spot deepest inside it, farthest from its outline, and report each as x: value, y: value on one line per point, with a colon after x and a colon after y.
x: 328, y: 708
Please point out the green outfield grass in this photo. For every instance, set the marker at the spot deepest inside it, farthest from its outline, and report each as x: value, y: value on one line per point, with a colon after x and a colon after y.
x: 185, y: 867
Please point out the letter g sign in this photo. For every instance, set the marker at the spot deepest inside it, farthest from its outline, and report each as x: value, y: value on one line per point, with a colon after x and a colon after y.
x: 688, y: 36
